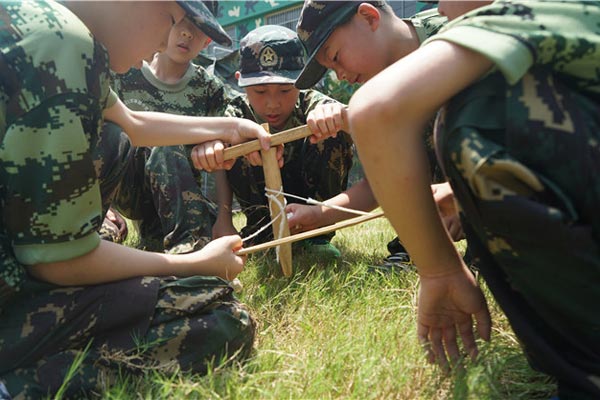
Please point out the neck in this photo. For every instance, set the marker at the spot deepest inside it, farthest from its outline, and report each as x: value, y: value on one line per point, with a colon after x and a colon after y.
x: 165, y: 69
x: 403, y: 39
x: 87, y: 14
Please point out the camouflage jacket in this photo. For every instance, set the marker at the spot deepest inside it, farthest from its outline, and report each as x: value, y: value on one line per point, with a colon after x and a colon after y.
x: 197, y: 93
x: 54, y: 85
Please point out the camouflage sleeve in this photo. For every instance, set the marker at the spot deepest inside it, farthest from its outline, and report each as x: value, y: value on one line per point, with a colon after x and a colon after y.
x: 53, y: 199
x: 58, y: 79
x: 516, y: 35
x: 111, y: 99
x: 427, y: 23
x: 218, y: 98
x: 309, y: 99
x: 238, y: 107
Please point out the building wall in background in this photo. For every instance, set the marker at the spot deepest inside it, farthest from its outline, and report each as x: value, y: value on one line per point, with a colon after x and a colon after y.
x: 240, y: 17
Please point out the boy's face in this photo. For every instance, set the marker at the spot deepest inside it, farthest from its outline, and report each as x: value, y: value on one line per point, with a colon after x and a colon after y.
x: 274, y: 103
x: 142, y: 29
x: 352, y: 52
x: 185, y: 42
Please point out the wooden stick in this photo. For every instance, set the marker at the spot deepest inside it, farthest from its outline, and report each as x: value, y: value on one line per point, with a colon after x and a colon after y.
x: 276, y: 139
x: 309, y: 234
x: 280, y: 225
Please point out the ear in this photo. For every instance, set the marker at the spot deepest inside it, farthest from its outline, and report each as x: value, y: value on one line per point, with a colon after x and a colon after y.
x: 208, y: 40
x: 370, y: 14
x: 237, y: 74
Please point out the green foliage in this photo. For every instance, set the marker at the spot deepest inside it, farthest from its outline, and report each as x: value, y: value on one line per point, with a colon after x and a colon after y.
x: 339, y: 90
x: 340, y: 330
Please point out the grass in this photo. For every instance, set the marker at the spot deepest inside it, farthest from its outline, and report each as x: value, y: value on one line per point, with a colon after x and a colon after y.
x: 339, y: 330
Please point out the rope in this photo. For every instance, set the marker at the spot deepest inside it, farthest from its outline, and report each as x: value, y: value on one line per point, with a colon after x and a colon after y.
x: 281, y: 211
x: 321, y: 203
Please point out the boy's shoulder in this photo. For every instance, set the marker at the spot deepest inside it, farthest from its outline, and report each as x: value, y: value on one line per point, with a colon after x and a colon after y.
x: 52, y: 47
x: 427, y: 23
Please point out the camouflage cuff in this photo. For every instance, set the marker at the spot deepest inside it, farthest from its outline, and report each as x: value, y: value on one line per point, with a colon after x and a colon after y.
x: 32, y: 254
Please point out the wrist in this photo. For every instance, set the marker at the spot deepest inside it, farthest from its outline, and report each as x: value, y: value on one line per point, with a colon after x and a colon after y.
x: 440, y: 267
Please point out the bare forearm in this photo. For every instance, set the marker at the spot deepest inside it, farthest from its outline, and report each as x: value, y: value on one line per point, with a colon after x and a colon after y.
x: 396, y: 104
x: 159, y: 129
x: 358, y: 197
x: 112, y: 262
x: 224, y: 193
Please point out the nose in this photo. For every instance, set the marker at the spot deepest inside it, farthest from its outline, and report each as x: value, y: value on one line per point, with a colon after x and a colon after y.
x: 272, y: 103
x: 186, y: 34
x: 341, y: 74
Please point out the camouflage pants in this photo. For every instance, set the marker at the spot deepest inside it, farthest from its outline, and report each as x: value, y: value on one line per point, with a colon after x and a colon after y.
x: 523, y: 162
x: 131, y: 326
x: 319, y: 171
x: 112, y: 154
x: 162, y: 190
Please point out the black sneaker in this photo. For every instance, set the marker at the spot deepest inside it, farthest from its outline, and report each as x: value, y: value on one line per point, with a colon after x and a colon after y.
x: 399, y: 262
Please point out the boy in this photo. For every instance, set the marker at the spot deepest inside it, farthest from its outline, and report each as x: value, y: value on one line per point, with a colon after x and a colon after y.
x: 518, y: 138
x: 357, y: 40
x: 271, y: 57
x: 62, y: 289
x: 161, y: 189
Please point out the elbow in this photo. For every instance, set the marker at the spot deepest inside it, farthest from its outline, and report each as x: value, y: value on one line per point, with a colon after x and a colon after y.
x: 369, y: 112
x: 50, y: 273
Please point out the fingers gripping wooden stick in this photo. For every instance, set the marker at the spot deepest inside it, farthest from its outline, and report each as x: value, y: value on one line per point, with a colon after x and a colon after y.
x: 277, y: 206
x: 276, y: 139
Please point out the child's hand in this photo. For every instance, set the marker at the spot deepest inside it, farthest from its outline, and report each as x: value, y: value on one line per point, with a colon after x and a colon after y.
x: 218, y: 258
x: 326, y: 120
x: 208, y: 156
x: 255, y: 159
x: 444, y: 199
x: 113, y: 217
x: 448, y: 307
x: 303, y: 217
x: 247, y: 130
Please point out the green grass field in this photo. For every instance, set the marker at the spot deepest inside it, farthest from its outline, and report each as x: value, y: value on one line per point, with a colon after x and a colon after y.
x: 342, y: 330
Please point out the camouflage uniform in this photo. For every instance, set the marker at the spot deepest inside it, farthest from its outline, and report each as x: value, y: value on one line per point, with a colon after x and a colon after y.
x: 162, y: 188
x: 54, y: 86
x: 521, y: 149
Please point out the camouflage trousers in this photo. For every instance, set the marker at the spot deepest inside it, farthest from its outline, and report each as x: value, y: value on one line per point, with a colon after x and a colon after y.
x: 126, y: 327
x: 163, y: 191
x: 523, y: 162
x: 318, y: 171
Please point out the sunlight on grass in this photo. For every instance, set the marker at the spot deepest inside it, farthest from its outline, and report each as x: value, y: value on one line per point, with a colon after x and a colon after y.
x: 339, y: 329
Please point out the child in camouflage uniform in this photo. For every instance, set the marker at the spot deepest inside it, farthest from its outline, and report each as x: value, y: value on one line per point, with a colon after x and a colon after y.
x: 64, y: 293
x: 327, y: 25
x: 271, y: 59
x: 161, y: 189
x: 518, y: 138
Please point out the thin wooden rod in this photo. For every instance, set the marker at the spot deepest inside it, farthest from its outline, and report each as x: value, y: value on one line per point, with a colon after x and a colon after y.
x: 280, y: 225
x: 309, y: 234
x: 276, y: 139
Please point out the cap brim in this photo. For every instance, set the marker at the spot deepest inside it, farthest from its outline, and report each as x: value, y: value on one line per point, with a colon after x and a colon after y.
x: 268, y: 77
x: 201, y: 16
x: 310, y: 75
x: 313, y: 71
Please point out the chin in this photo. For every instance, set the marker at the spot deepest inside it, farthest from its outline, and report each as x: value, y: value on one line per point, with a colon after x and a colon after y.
x: 119, y: 68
